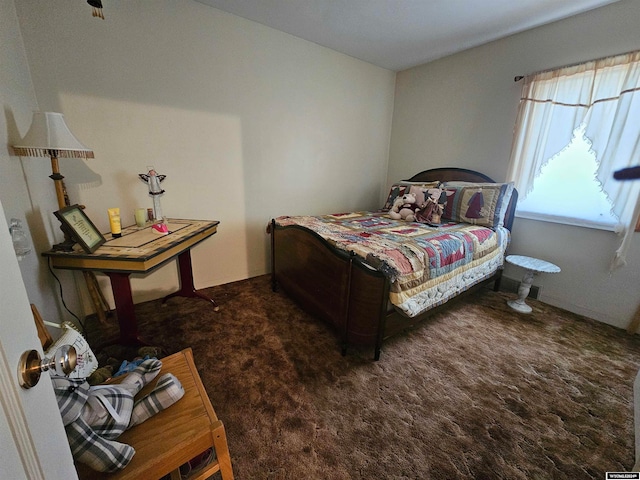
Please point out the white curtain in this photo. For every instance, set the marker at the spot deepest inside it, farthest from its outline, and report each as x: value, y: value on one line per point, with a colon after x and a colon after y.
x: 604, y: 95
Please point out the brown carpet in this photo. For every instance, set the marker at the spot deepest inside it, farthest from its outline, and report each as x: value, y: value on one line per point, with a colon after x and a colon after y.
x: 477, y: 391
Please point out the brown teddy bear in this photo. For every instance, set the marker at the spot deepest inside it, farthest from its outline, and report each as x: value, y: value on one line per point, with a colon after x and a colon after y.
x: 404, y: 208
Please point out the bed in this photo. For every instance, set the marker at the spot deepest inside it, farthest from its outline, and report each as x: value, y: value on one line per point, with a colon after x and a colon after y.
x: 370, y: 276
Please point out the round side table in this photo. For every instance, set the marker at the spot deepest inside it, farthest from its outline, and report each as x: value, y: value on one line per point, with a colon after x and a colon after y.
x: 532, y: 266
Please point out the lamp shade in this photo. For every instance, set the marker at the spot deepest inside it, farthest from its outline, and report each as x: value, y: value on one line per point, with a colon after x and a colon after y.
x: 50, y: 136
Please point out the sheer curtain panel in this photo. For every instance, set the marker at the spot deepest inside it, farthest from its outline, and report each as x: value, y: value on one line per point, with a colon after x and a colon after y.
x: 601, y: 95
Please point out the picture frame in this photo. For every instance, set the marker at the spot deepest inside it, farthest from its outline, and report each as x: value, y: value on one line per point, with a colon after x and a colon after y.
x: 80, y: 228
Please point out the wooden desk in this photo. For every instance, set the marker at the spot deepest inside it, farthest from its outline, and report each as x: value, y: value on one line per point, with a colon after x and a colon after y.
x: 139, y: 250
x: 175, y: 435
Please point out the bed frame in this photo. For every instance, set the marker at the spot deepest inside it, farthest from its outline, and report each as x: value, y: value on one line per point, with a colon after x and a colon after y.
x: 341, y: 288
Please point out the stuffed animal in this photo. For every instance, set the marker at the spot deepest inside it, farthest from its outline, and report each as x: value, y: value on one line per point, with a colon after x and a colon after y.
x: 94, y: 416
x: 435, y: 201
x: 404, y: 208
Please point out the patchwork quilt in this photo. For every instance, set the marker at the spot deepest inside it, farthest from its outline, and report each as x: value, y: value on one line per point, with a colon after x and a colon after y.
x: 426, y: 265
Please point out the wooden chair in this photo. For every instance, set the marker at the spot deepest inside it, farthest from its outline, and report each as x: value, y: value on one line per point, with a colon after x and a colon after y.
x: 175, y: 435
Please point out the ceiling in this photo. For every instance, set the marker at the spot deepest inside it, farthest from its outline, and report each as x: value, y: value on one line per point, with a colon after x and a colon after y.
x: 399, y: 34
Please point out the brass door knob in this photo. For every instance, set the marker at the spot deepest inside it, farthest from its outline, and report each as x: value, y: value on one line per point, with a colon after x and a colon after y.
x: 31, y: 365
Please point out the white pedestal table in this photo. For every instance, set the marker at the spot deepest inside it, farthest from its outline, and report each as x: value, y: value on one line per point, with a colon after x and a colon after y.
x: 532, y: 266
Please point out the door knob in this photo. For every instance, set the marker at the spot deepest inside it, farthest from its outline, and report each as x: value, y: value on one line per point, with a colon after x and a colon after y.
x: 31, y: 365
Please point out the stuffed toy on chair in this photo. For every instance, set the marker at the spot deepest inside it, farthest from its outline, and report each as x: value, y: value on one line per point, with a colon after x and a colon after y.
x: 94, y: 417
x: 404, y: 208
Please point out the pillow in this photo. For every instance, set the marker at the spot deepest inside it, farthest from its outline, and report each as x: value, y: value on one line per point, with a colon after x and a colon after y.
x: 400, y: 188
x: 482, y: 204
x: 421, y: 191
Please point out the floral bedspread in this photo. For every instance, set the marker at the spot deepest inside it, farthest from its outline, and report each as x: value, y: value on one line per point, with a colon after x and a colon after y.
x: 427, y: 265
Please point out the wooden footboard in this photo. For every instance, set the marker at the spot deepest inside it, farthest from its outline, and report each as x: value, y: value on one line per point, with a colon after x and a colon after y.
x: 331, y: 284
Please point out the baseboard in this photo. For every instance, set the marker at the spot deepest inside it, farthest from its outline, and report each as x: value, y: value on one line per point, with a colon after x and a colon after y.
x: 511, y: 285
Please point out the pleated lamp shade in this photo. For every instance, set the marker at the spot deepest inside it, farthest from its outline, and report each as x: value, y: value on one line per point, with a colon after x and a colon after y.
x: 49, y: 136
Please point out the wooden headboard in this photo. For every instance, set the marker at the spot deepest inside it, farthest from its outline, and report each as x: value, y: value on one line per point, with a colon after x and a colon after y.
x: 449, y: 174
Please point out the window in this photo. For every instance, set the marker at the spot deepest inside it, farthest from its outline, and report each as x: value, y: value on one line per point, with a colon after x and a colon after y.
x: 567, y: 189
x: 576, y: 126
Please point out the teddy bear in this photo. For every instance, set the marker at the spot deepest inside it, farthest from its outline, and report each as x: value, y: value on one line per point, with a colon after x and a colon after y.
x: 432, y: 210
x: 404, y: 208
x: 94, y: 416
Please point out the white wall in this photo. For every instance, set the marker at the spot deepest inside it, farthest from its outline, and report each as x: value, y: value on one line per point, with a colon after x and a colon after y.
x: 26, y: 201
x: 460, y: 111
x: 246, y: 122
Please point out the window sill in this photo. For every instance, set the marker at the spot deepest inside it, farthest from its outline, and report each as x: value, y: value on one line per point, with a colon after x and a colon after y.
x: 569, y: 221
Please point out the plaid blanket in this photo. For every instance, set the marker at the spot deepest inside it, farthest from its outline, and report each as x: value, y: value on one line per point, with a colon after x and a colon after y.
x: 427, y: 265
x: 95, y: 416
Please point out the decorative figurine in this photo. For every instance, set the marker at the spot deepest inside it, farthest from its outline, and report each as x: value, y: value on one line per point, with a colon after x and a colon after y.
x: 153, y: 180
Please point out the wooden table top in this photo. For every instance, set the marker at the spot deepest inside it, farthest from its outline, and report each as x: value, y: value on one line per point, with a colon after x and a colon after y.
x: 534, y: 264
x: 139, y: 249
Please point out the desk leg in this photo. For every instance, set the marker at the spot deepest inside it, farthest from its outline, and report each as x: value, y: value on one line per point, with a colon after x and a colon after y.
x: 121, y: 287
x: 187, y: 289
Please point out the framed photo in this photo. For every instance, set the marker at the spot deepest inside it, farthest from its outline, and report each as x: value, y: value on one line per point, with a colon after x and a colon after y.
x: 76, y: 223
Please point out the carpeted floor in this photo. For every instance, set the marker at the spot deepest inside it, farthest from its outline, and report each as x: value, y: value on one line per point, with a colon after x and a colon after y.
x: 477, y: 391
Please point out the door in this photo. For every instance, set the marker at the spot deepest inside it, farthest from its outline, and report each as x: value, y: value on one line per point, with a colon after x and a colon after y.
x: 33, y: 444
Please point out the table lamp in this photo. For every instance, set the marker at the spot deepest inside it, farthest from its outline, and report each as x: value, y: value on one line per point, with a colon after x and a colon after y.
x: 50, y: 137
